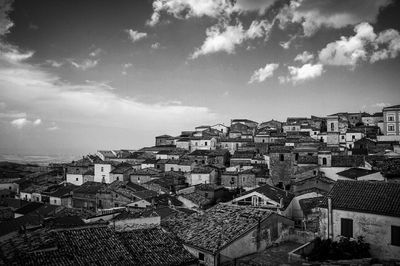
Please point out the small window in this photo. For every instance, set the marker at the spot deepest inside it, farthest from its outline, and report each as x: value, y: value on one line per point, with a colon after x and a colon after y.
x: 77, y: 179
x: 395, y: 235
x: 102, y: 169
x: 201, y: 256
x: 342, y: 137
x: 281, y: 157
x: 353, y: 137
x: 205, y: 143
x: 346, y: 226
x: 55, y: 201
x: 391, y: 118
x: 117, y: 178
x: 323, y: 161
x: 390, y: 127
x: 332, y: 126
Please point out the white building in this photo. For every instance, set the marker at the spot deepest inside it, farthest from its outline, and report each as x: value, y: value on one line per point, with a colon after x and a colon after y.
x: 102, y: 172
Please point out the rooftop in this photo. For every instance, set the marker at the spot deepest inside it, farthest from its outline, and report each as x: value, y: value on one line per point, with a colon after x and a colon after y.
x: 355, y: 173
x: 217, y: 226
x: 367, y: 196
x: 273, y: 193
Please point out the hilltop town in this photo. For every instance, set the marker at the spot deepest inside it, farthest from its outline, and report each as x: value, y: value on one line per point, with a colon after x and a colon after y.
x: 246, y: 193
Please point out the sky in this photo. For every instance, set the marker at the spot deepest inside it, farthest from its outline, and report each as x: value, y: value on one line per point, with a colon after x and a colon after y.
x: 79, y: 76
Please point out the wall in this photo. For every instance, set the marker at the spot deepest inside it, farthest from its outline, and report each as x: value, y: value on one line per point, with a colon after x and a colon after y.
x: 136, y: 223
x: 331, y: 172
x: 195, y: 179
x: 10, y: 186
x: 75, y: 179
x: 55, y: 201
x: 209, y: 259
x: 99, y: 174
x: 281, y: 171
x: 375, y: 228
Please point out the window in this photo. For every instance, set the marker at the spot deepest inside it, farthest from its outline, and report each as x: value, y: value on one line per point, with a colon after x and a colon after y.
x: 263, y: 140
x: 293, y: 129
x: 102, y: 169
x: 116, y: 205
x: 342, y: 137
x: 390, y: 118
x: 205, y: 143
x: 323, y: 161
x: 76, y: 179
x: 281, y: 157
x: 395, y: 235
x: 390, y: 128
x: 346, y: 226
x: 332, y: 126
x: 201, y: 256
x: 103, y: 179
x: 206, y: 195
x: 353, y: 137
x: 55, y: 201
x: 296, y: 156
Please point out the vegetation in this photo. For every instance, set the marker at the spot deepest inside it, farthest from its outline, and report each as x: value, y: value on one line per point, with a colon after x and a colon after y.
x: 344, y: 249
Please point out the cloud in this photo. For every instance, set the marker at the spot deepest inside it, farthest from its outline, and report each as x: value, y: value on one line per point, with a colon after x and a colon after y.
x: 365, y: 45
x: 12, y: 114
x: 303, y: 73
x: 85, y: 64
x: 155, y: 45
x: 305, y: 57
x: 53, y: 128
x: 314, y: 14
x: 23, y: 122
x: 5, y: 22
x: 125, y: 68
x: 263, y: 73
x: 12, y: 54
x: 219, y: 9
x: 52, y: 99
x: 54, y: 63
x: 136, y: 35
x: 381, y: 105
x: 95, y: 52
x: 223, y: 37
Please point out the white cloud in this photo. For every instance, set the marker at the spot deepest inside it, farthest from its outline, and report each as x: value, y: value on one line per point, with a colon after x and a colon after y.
x: 365, y: 45
x: 381, y: 105
x: 12, y: 54
x: 223, y: 37
x: 95, y: 52
x: 22, y: 122
x: 305, y: 72
x: 54, y: 63
x: 263, y: 73
x: 304, y: 57
x: 50, y: 98
x: 53, y: 128
x: 125, y: 68
x: 155, y: 45
x: 136, y: 35
x: 314, y: 14
x: 5, y: 22
x: 85, y: 64
x: 220, y: 9
x: 12, y: 114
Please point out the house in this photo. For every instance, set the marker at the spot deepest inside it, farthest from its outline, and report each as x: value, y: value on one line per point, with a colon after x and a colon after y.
x: 203, y: 143
x: 10, y: 184
x: 202, y: 128
x: 266, y: 197
x: 195, y: 200
x: 221, y: 128
x: 229, y: 179
x: 202, y: 175
x: 79, y: 174
x: 141, y: 176
x: 233, y: 145
x: 60, y: 196
x: 391, y: 120
x: 361, y: 174
x: 106, y: 155
x: 252, y: 178
x: 183, y: 143
x: 271, y: 125
x: 226, y: 232
x: 179, y: 165
x: 371, y: 120
x: 164, y: 140
x: 282, y: 162
x: 315, y: 183
x: 365, y: 208
x: 351, y: 137
x: 102, y: 171
x: 148, y: 163
x: 242, y: 158
x: 122, y: 171
x: 85, y: 196
x: 247, y: 122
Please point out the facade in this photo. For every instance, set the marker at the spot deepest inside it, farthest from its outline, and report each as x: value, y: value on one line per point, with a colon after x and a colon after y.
x: 164, y: 140
x: 221, y: 128
x: 391, y: 120
x: 102, y: 172
x: 377, y: 219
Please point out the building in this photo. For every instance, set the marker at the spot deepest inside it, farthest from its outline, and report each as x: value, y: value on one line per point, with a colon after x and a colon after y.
x: 367, y: 209
x: 221, y: 128
x: 102, y: 172
x: 202, y: 175
x: 226, y: 232
x: 164, y: 140
x: 391, y: 120
x: 76, y: 174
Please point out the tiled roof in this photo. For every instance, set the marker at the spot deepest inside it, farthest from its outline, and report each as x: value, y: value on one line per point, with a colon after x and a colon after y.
x: 308, y: 204
x: 62, y: 191
x: 77, y: 246
x: 32, y: 206
x: 151, y: 171
x: 197, y: 198
x: 348, y: 161
x: 217, y: 226
x: 155, y: 247
x: 200, y: 153
x: 355, y: 173
x: 367, y: 196
x: 273, y: 193
x: 280, y: 149
x: 145, y: 194
x: 202, y: 170
x: 307, y: 159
